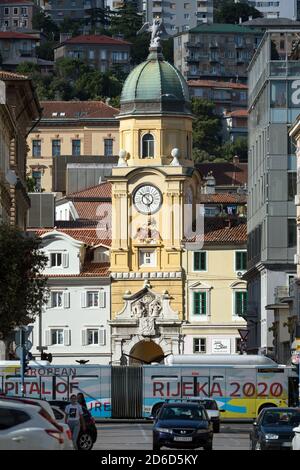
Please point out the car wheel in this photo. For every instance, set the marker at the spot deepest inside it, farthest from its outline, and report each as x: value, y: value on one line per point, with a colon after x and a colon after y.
x: 257, y: 446
x: 156, y: 446
x: 208, y: 446
x: 85, y: 441
x: 216, y: 427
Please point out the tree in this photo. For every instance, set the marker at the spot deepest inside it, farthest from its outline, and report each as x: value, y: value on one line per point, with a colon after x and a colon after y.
x: 46, y: 50
x: 207, y: 127
x: 227, y: 11
x: 72, y: 26
x: 42, y: 22
x: 238, y: 147
x: 23, y: 290
x: 125, y: 21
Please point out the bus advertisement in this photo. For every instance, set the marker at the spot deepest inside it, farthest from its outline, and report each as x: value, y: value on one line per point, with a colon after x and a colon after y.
x: 241, y: 387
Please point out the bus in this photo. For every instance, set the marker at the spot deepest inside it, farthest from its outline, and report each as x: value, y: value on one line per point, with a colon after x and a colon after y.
x: 242, y: 385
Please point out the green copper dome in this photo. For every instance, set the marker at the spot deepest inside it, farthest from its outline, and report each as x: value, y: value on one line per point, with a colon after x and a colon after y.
x: 155, y: 87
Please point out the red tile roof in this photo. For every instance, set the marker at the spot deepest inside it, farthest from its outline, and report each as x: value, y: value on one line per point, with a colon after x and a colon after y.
x: 13, y: 35
x: 89, y: 236
x: 238, y: 113
x: 78, y: 109
x: 102, y: 190
x: 226, y: 173
x: 4, y: 75
x: 96, y: 39
x: 224, y: 198
x: 216, y: 231
x: 88, y: 270
x: 94, y: 211
x: 216, y: 84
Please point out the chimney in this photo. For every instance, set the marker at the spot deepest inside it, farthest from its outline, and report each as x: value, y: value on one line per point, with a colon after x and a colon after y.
x: 210, y: 184
x: 240, y: 20
x: 250, y: 18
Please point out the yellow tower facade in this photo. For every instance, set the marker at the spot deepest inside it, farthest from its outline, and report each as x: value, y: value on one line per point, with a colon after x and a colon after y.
x: 151, y: 186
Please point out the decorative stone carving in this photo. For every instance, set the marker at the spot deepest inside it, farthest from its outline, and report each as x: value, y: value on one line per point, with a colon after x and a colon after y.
x: 157, y: 30
x: 148, y: 233
x: 146, y: 308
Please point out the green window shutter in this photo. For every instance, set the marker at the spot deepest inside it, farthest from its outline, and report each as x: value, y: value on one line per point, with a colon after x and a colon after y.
x: 237, y: 260
x: 199, y: 303
x: 240, y: 260
x: 200, y: 261
x: 244, y: 262
x: 196, y: 303
x: 203, y: 303
x: 245, y: 301
x: 196, y: 261
x: 238, y: 303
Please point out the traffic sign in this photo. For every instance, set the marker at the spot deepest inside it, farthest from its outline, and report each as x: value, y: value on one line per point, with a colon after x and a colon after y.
x: 243, y: 334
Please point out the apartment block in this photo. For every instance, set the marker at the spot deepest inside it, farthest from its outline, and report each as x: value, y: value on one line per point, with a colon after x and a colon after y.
x: 272, y: 236
x: 179, y: 15
x: 17, y: 14
x: 216, y: 51
x: 58, y: 10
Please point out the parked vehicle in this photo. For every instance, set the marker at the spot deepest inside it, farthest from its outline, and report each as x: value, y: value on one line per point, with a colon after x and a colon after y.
x: 25, y: 426
x: 274, y: 429
x: 212, y: 410
x: 296, y: 438
x: 48, y: 411
x: 86, y: 439
x: 182, y: 425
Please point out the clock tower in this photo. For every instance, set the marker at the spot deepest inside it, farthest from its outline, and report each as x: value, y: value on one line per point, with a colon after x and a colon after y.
x: 153, y: 181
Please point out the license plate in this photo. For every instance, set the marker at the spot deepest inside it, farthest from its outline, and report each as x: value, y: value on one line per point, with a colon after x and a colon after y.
x: 183, y: 439
x: 286, y: 444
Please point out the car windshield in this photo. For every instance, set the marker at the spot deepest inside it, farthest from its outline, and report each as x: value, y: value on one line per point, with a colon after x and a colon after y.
x: 281, y: 418
x: 180, y: 412
x: 209, y: 404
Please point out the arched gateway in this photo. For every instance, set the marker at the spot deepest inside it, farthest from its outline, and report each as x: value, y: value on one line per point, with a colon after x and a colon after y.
x: 146, y: 352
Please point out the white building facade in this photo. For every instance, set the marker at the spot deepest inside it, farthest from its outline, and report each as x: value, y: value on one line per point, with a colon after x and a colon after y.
x: 277, y: 9
x: 74, y: 323
x: 180, y: 15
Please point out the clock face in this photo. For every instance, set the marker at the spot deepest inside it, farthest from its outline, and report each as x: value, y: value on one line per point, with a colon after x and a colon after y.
x: 147, y: 199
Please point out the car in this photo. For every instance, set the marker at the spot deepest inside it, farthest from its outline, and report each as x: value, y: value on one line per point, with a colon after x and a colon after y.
x: 209, y: 404
x: 25, y: 426
x: 182, y: 425
x: 86, y: 439
x: 63, y: 427
x: 296, y: 439
x: 273, y: 429
x: 212, y: 410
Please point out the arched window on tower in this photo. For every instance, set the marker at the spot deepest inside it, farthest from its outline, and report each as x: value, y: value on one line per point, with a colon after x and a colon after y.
x: 148, y: 146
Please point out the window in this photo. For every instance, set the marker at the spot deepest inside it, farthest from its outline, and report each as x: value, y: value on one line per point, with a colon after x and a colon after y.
x: 92, y: 336
x: 23, y: 11
x: 108, y: 147
x: 93, y: 299
x: 55, y: 259
x: 76, y: 147
x: 91, y: 54
x: 278, y: 94
x: 16, y: 11
x: 10, y: 417
x: 199, y: 303
x: 57, y: 336
x: 36, y: 148
x: 240, y: 307
x: 200, y: 261
x: 148, y: 146
x: 103, y: 54
x: 55, y: 148
x: 292, y: 233
x: 240, y: 260
x: 57, y: 299
x: 199, y: 345
x: 6, y: 11
x: 148, y: 258
x: 292, y: 185
x: 37, y: 177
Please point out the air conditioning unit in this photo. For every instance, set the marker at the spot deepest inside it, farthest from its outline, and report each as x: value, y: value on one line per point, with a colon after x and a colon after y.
x: 239, y: 274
